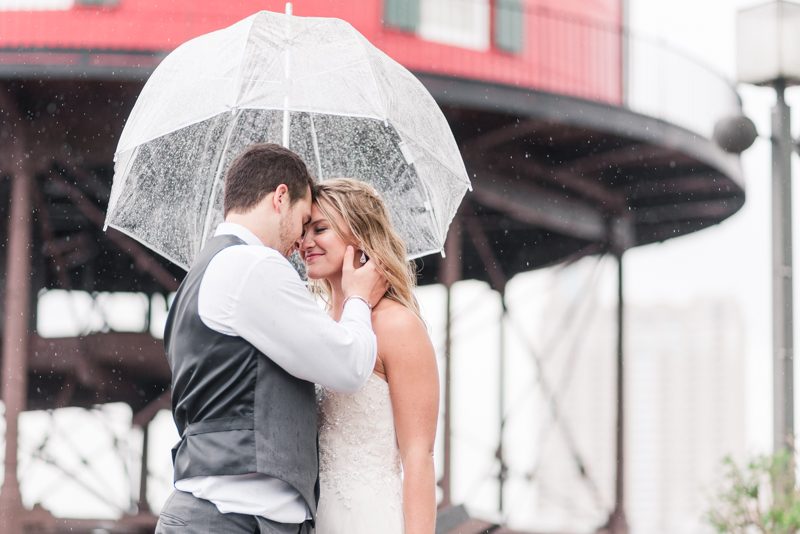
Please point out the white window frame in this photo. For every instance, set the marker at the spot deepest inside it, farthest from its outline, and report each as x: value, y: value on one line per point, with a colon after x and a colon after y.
x: 437, y: 18
x: 36, y: 5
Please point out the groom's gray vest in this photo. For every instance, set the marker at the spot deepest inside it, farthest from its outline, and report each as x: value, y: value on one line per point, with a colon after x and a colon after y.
x: 236, y: 410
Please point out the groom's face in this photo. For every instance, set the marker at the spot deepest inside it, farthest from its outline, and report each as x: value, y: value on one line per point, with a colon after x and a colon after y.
x: 292, y: 221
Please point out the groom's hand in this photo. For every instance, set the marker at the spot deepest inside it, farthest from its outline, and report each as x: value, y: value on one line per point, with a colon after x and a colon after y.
x: 365, y: 281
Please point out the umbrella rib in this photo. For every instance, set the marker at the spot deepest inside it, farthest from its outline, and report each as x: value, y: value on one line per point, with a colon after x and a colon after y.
x: 372, y: 71
x: 424, y: 186
x: 411, y: 257
x: 239, y: 67
x: 316, y: 146
x: 334, y: 69
x: 213, y: 197
x: 468, y: 183
x: 307, y: 29
x: 373, y: 77
x: 363, y: 46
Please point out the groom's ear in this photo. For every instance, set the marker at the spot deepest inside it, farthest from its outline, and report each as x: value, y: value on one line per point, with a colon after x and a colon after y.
x: 280, y: 199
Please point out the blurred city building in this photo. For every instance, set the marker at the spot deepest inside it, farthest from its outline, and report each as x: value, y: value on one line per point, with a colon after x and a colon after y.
x: 580, y: 139
x: 686, y: 374
x: 685, y: 395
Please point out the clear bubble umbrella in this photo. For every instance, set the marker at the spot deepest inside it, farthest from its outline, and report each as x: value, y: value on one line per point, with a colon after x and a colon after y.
x: 314, y: 85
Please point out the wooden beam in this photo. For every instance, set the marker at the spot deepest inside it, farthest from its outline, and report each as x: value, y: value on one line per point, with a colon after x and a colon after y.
x: 589, y: 187
x: 710, y: 183
x: 143, y: 506
x: 143, y: 260
x: 631, y: 155
x: 449, y: 273
x: 51, y: 247
x: 534, y: 205
x: 500, y: 136
x: 12, y: 128
x: 137, y: 353
x: 66, y: 393
x: 16, y: 321
x: 481, y: 242
x: 143, y: 417
x: 85, y: 181
x: 715, y: 210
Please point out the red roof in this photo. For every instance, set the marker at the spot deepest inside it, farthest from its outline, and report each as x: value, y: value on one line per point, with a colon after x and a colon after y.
x: 574, y: 48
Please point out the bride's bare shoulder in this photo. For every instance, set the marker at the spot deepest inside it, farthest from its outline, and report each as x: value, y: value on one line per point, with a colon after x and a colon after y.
x: 391, y: 319
x: 406, y: 354
x: 403, y: 341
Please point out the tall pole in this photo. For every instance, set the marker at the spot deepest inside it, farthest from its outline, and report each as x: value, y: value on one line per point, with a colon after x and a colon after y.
x: 783, y: 366
x: 444, y: 483
x: 15, y: 332
x: 618, y: 523
x: 143, y: 507
x: 503, y: 474
x: 449, y: 274
x: 499, y: 281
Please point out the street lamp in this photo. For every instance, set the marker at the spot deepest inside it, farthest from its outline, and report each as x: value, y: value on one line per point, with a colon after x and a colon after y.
x: 768, y: 53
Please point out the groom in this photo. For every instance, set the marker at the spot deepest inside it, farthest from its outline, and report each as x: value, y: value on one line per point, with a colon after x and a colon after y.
x: 246, y: 343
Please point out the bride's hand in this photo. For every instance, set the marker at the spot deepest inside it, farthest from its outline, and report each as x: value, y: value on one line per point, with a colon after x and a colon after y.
x: 366, y: 281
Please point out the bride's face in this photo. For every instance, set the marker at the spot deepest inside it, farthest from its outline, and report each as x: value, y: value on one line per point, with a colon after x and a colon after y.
x: 321, y: 248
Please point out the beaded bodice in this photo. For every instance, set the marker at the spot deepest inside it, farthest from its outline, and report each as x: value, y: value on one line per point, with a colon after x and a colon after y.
x: 358, y: 443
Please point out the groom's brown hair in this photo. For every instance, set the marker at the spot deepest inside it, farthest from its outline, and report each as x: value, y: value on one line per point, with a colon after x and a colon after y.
x: 259, y: 170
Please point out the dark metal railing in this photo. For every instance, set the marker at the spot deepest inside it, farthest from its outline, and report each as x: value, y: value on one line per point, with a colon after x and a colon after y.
x: 669, y: 85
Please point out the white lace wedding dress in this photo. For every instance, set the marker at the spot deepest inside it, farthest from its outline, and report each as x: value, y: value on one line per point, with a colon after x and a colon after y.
x: 360, y: 472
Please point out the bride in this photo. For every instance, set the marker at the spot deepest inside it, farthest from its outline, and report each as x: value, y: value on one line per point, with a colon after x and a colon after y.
x: 376, y: 446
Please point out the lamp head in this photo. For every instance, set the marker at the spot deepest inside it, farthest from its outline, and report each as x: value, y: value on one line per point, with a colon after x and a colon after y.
x: 735, y: 134
x: 767, y: 44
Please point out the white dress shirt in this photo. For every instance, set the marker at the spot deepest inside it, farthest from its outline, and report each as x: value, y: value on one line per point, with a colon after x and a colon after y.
x: 253, y: 292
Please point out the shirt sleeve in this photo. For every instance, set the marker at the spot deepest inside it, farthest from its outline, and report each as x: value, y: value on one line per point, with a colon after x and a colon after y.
x: 275, y: 312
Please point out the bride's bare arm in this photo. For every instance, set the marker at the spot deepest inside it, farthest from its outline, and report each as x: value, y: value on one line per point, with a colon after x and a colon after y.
x: 409, y: 362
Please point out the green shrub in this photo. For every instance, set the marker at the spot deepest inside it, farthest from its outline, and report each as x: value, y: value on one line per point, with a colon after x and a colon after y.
x: 759, y: 497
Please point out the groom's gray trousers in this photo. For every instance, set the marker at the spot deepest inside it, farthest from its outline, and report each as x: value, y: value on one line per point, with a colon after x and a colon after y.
x: 183, y: 513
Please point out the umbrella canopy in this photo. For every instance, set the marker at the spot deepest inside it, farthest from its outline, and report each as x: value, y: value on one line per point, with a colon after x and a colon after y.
x: 315, y: 85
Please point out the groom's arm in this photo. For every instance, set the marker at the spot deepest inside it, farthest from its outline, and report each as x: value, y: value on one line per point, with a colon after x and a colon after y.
x: 263, y: 301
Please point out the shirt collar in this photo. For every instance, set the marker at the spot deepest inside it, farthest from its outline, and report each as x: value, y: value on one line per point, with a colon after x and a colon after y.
x: 239, y: 231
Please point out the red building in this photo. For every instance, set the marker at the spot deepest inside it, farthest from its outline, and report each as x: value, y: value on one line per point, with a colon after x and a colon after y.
x: 508, y: 42
x: 570, y: 150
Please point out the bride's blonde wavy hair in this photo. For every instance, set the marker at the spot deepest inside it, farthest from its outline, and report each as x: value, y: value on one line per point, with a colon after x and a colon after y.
x: 370, y: 227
